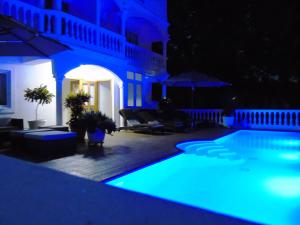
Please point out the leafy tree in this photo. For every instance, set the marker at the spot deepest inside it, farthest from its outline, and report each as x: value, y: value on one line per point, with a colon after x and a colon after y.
x: 40, y: 95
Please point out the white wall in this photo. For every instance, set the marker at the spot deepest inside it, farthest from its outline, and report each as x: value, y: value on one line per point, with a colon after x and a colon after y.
x: 66, y: 91
x: 30, y: 76
x: 105, y: 98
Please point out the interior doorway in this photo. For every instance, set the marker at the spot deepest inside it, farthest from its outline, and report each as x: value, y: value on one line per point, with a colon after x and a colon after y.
x: 104, y: 87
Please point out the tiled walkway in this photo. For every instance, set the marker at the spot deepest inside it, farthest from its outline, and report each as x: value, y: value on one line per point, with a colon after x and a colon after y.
x: 125, y: 151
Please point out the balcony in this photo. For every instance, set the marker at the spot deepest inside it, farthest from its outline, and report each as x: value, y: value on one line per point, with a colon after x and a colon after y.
x: 72, y: 30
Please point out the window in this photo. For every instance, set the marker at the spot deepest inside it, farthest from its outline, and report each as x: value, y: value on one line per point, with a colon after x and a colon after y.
x: 138, y: 102
x: 65, y: 7
x: 5, y: 88
x: 132, y: 37
x: 134, y: 89
x: 89, y: 87
x: 130, y: 75
x: 49, y: 4
x: 130, y: 98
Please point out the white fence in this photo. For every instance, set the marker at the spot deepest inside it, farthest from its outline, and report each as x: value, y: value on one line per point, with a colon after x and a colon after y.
x: 277, y: 119
x: 210, y: 115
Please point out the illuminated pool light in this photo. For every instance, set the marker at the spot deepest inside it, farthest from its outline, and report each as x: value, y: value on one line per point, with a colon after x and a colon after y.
x: 288, y: 187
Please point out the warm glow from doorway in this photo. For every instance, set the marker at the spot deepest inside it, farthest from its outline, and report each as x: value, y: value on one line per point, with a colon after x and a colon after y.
x: 91, y: 73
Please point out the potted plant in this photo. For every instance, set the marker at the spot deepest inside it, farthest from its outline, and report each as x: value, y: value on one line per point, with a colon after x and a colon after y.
x: 228, y: 113
x: 98, y: 124
x: 75, y: 102
x: 40, y: 96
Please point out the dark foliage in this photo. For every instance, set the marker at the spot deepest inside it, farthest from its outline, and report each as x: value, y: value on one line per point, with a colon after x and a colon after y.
x: 253, y: 44
x: 94, y: 120
x: 75, y: 102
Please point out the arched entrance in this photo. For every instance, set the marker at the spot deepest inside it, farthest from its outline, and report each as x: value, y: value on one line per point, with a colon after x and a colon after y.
x: 104, y: 86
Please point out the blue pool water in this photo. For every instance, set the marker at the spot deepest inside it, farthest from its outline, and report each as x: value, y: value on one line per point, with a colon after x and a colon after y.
x: 253, y: 175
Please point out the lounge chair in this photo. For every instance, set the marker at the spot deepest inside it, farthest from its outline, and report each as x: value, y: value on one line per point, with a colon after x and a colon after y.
x: 134, y: 122
x: 173, y: 122
x: 51, y: 143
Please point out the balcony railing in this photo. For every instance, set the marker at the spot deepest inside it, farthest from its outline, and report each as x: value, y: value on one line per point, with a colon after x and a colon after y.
x: 144, y: 58
x: 73, y: 30
x: 277, y: 119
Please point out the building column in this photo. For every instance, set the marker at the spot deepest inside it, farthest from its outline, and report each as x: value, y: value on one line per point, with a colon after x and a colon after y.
x: 59, y: 100
x: 123, y: 30
x: 41, y: 3
x: 123, y: 25
x: 98, y: 12
x: 57, y: 5
x: 165, y: 48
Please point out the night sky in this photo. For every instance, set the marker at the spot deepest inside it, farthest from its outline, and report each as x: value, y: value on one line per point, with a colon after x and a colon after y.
x: 255, y: 45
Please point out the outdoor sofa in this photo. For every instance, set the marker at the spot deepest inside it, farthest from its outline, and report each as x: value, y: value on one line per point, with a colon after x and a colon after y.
x: 7, y: 125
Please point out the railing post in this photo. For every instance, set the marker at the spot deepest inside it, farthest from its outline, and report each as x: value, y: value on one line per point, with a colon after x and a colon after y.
x: 57, y: 25
x: 41, y: 22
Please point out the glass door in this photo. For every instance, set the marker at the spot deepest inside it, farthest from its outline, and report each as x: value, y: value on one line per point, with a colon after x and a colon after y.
x: 89, y: 87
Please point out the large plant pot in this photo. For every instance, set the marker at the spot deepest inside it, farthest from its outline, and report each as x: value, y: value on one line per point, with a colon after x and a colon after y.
x: 79, y: 130
x: 36, y: 124
x: 96, y: 137
x: 228, y: 121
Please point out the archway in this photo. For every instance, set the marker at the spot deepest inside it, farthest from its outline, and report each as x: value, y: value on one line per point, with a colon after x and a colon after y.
x: 104, y: 86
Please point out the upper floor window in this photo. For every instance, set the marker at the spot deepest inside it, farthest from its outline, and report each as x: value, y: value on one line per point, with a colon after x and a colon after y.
x: 49, y: 4
x: 132, y: 37
x: 65, y: 7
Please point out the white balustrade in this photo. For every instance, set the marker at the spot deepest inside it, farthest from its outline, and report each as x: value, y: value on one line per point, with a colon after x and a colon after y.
x: 150, y: 60
x: 73, y: 30
x: 286, y: 119
x: 277, y: 119
x: 205, y: 115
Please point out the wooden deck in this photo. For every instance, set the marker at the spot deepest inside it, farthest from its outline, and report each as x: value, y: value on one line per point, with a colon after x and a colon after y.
x: 122, y: 152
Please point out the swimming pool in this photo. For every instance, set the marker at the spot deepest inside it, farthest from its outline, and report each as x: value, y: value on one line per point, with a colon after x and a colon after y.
x: 253, y: 175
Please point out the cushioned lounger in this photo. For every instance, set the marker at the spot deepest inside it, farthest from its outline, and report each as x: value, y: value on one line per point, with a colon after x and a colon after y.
x: 50, y: 143
x: 17, y: 136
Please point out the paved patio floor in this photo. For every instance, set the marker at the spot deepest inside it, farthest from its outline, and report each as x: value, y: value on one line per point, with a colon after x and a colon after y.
x: 121, y: 153
x: 125, y: 151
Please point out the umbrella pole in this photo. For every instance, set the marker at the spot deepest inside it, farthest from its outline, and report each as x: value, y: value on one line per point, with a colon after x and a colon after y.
x: 164, y: 91
x: 193, y: 92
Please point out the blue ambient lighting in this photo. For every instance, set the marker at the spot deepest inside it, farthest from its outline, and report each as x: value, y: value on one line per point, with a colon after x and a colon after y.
x: 242, y: 175
x: 288, y: 187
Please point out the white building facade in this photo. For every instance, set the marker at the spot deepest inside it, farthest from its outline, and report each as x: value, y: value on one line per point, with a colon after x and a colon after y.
x: 118, y: 48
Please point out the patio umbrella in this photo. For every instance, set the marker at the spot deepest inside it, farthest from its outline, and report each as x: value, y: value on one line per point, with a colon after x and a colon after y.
x: 17, y: 39
x: 194, y: 79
